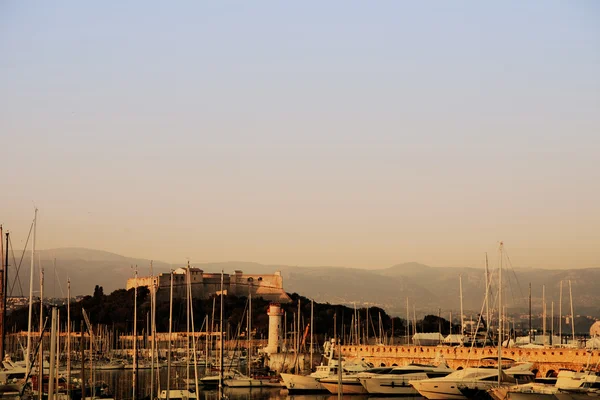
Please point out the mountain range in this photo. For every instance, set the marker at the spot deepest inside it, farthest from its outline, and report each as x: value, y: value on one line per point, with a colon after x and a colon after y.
x: 428, y: 289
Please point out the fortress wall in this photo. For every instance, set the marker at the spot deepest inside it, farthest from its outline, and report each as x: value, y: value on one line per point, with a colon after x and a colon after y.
x: 268, y: 286
x: 141, y: 281
x: 545, y: 360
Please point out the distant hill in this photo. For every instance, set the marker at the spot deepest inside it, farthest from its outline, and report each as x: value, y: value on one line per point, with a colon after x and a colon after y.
x: 428, y: 288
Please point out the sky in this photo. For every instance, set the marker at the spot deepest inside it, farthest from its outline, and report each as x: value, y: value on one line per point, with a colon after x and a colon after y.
x: 343, y: 133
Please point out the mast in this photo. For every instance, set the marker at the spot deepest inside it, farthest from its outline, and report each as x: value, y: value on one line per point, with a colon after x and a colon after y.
x: 4, y: 283
x: 487, y: 298
x: 552, y: 326
x: 297, y: 363
x: 28, y: 354
x: 3, y: 311
x: 248, y: 358
x: 368, y: 321
x: 407, y: 323
x: 500, y: 320
x: 206, y: 342
x: 530, y: 331
x: 170, y: 332
x: 187, y: 323
x: 69, y: 338
x: 560, y: 312
x: 52, y: 359
x: 134, y: 379
x: 462, y: 318
x: 544, y: 314
x: 339, y: 365
x: 41, y: 357
x: 82, y: 350
x: 57, y: 345
x: 221, y: 343
x: 572, y: 313
x: 193, y: 331
x: 311, y: 332
x: 152, y: 331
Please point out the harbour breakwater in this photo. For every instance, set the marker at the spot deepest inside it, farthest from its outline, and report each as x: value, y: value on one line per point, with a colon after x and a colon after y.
x: 547, y: 361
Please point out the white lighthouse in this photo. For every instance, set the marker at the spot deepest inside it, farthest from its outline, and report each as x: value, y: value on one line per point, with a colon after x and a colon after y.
x: 274, y: 345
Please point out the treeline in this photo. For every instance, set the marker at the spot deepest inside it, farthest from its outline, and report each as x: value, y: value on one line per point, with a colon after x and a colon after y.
x: 115, y: 311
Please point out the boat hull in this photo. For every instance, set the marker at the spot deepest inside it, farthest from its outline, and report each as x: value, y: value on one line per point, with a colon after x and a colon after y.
x: 439, y: 390
x: 398, y: 386
x: 250, y: 382
x: 299, y: 383
x: 348, y: 387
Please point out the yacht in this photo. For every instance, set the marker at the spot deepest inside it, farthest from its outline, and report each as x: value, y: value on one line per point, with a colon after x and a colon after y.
x: 464, y: 383
x: 351, y: 382
x: 396, y: 382
x: 569, y: 386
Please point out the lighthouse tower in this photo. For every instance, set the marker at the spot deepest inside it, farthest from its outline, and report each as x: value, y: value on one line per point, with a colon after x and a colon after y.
x: 274, y: 345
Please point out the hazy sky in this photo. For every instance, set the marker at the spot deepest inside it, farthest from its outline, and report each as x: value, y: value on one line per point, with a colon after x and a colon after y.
x: 313, y: 133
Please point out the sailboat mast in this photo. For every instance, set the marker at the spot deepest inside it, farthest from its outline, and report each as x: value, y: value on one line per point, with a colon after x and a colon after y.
x: 187, y: 323
x: 41, y: 358
x: 462, y: 318
x: 572, y: 313
x: 552, y: 326
x: 368, y: 321
x: 28, y: 351
x: 407, y: 323
x: 221, y: 342
x: 4, y: 295
x: 560, y: 313
x: 249, y: 355
x: 312, y: 303
x: 134, y: 379
x: 500, y: 320
x: 52, y: 358
x: 193, y: 332
x: 544, y: 314
x: 530, y: 329
x: 152, y: 331
x: 170, y: 333
x: 69, y: 338
x: 487, y: 297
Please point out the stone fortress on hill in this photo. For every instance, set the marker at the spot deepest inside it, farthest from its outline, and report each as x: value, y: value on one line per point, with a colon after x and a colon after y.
x: 206, y: 284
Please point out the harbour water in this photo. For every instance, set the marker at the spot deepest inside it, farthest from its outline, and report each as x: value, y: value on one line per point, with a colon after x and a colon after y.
x: 120, y: 384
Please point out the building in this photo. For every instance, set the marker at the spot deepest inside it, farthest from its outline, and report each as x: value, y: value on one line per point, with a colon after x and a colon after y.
x: 206, y: 284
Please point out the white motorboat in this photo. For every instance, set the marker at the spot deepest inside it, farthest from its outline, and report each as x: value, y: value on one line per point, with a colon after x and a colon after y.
x: 570, y: 385
x: 459, y: 384
x: 351, y: 382
x: 396, y: 382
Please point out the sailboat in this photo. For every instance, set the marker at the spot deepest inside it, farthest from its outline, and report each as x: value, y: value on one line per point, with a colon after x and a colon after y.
x: 311, y: 383
x: 474, y: 382
x: 240, y: 380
